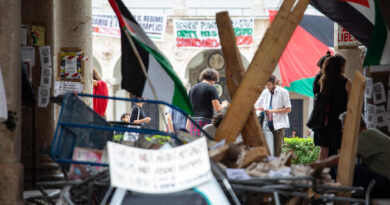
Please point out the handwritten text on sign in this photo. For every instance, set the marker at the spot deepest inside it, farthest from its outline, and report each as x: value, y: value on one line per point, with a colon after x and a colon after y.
x: 159, y: 171
x: 204, y: 33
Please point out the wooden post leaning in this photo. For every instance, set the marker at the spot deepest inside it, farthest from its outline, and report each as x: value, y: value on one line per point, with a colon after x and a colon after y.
x: 252, y: 133
x: 261, y: 68
x: 349, y: 143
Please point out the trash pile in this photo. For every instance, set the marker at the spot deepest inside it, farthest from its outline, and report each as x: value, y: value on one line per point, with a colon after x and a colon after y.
x: 256, y: 163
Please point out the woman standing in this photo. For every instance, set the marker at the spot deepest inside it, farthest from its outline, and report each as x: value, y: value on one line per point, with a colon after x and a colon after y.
x: 336, y: 87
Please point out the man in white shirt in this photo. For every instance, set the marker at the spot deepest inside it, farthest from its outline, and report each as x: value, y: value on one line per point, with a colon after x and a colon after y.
x: 275, y: 101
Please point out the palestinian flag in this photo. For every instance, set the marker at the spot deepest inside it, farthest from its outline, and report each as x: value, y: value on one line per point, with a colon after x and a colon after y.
x: 364, y: 20
x: 312, y: 38
x: 163, y: 78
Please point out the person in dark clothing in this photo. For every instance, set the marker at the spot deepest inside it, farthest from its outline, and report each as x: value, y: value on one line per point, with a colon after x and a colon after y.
x: 336, y: 87
x: 204, y: 99
x: 137, y: 115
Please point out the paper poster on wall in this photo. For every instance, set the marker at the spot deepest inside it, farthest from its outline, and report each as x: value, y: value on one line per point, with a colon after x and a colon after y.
x: 43, y: 96
x: 159, y: 171
x: 28, y: 55
x: 46, y: 74
x: 45, y: 55
x: 368, y: 90
x: 380, y: 116
x: 71, y: 64
x: 204, y: 33
x: 63, y: 87
x: 378, y: 91
x: 37, y: 35
x: 370, y: 115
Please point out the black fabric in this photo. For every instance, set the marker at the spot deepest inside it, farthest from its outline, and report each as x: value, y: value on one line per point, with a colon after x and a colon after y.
x: 331, y: 135
x: 318, y: 116
x: 362, y: 177
x: 348, y: 17
x: 201, y: 96
x: 135, y: 111
x: 320, y: 27
x: 133, y: 79
x: 28, y: 94
x: 184, y: 197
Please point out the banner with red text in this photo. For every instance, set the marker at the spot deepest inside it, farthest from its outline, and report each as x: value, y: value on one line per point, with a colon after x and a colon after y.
x: 204, y: 33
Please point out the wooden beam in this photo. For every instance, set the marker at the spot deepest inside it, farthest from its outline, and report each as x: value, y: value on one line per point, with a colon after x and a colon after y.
x: 252, y: 133
x: 349, y: 143
x: 261, y: 68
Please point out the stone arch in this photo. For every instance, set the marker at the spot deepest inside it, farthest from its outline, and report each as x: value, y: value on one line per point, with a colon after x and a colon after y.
x: 201, y: 61
x: 96, y: 64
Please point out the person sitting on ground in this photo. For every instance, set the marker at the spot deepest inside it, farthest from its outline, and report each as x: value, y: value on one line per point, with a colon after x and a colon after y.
x: 374, y: 152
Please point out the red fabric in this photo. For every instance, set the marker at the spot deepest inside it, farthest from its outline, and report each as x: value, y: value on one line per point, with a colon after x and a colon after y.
x: 100, y: 105
x: 300, y: 57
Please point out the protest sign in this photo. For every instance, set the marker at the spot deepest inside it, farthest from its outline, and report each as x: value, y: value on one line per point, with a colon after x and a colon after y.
x: 159, y: 171
x: 204, y: 33
x: 107, y: 25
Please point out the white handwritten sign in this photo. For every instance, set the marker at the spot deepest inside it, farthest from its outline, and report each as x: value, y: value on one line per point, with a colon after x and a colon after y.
x: 159, y: 171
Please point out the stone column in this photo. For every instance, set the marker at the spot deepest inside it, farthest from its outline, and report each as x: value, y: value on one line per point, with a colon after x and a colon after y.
x: 11, y: 170
x: 38, y: 13
x: 350, y: 50
x: 354, y: 60
x: 180, y: 8
x: 73, y: 28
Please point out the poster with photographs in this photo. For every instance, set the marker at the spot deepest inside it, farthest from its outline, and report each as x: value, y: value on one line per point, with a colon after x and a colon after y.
x: 370, y: 113
x: 378, y: 92
x: 70, y: 64
x: 380, y: 116
x: 46, y: 74
x: 45, y: 55
x: 43, y: 96
x: 368, y: 91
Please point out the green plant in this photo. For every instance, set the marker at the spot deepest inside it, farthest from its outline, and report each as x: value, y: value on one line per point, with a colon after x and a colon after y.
x: 304, y: 148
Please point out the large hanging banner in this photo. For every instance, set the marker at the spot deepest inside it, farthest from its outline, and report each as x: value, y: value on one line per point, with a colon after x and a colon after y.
x: 204, y: 33
x: 107, y: 25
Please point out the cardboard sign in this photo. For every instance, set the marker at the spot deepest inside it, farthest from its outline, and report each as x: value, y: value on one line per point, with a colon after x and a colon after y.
x: 159, y: 171
x: 63, y: 87
x: 204, y: 33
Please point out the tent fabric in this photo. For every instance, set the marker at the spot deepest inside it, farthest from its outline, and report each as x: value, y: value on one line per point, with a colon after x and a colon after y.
x: 309, y: 42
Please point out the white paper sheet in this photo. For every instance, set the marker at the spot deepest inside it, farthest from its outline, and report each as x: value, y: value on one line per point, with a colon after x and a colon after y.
x: 43, y: 96
x: 237, y: 174
x: 45, y: 55
x: 46, y: 76
x: 378, y: 93
x: 368, y: 91
x: 28, y: 55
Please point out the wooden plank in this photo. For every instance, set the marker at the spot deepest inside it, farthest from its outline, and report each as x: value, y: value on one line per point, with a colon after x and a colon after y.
x: 349, y: 143
x: 252, y: 133
x: 254, y: 155
x: 261, y: 68
x: 219, y: 153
